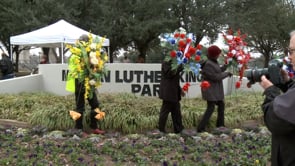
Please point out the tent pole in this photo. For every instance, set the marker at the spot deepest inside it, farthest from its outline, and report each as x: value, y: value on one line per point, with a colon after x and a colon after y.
x: 109, y: 54
x: 62, y: 53
x: 11, y: 56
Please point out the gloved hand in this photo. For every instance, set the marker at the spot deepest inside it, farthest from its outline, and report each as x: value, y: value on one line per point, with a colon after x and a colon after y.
x: 229, y: 74
x: 224, y: 67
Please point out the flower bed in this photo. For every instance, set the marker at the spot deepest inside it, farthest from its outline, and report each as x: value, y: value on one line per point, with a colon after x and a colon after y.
x: 238, y: 147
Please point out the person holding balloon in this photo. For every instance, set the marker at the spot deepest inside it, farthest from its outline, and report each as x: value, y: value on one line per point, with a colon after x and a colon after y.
x: 212, y: 87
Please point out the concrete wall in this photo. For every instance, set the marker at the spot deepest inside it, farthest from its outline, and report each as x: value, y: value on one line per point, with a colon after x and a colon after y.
x: 140, y: 79
x: 53, y: 78
x: 31, y: 83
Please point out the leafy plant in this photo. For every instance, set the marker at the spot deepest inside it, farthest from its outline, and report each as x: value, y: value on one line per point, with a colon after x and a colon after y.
x: 125, y: 112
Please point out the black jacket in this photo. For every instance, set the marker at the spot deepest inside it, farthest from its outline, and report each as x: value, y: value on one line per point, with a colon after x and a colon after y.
x: 6, y: 65
x: 279, y: 117
x: 170, y: 89
x: 214, y: 74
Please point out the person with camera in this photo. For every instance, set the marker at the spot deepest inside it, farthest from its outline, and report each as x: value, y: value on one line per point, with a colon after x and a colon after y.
x: 279, y: 113
x: 214, y: 95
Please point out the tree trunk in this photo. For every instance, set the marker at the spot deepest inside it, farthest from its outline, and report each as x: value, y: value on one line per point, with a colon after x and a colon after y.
x: 266, y: 60
x: 111, y: 54
x: 17, y: 52
x: 142, y: 53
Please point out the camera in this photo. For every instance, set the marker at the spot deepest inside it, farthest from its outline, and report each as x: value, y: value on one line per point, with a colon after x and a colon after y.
x: 273, y: 73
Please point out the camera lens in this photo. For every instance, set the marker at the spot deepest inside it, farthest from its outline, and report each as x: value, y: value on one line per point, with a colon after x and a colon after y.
x: 272, y: 72
x: 254, y: 75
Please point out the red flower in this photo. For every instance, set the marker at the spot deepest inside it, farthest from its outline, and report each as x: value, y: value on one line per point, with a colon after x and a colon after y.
x: 237, y: 39
x: 230, y: 54
x: 197, y: 58
x: 192, y: 50
x: 181, y: 49
x: 186, y: 87
x: 181, y: 43
x: 238, y: 84
x: 188, y: 55
x: 188, y: 40
x: 205, y: 85
x: 199, y: 46
x: 173, y: 54
x: 176, y: 35
x: 182, y: 35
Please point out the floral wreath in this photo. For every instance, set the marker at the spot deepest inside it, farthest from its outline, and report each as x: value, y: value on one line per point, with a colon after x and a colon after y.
x: 236, y: 55
x: 87, y: 63
x: 182, y: 51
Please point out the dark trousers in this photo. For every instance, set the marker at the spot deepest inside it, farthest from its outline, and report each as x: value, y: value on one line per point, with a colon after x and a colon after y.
x: 80, y: 105
x: 174, y: 108
x: 210, y: 108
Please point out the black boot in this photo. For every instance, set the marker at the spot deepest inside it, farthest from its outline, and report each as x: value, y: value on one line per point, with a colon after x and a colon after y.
x: 93, y: 120
x: 93, y: 123
x: 79, y: 122
x: 220, y: 114
x: 206, y: 117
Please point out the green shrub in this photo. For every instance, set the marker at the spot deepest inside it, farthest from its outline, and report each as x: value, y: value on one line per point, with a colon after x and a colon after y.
x: 125, y: 112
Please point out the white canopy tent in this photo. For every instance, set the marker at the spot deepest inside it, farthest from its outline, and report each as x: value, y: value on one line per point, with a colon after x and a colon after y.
x: 54, y: 35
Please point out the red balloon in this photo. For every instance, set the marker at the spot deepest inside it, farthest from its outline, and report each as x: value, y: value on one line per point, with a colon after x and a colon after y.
x: 205, y: 85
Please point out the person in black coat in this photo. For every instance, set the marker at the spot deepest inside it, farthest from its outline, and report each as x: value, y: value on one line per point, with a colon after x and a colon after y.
x: 214, y: 95
x: 6, y: 67
x: 279, y: 114
x: 170, y: 93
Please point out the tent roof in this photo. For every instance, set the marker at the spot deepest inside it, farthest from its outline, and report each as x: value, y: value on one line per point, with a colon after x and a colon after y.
x: 52, y: 35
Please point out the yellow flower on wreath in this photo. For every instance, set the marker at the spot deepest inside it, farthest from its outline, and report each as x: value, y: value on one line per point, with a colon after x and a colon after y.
x: 87, y: 64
